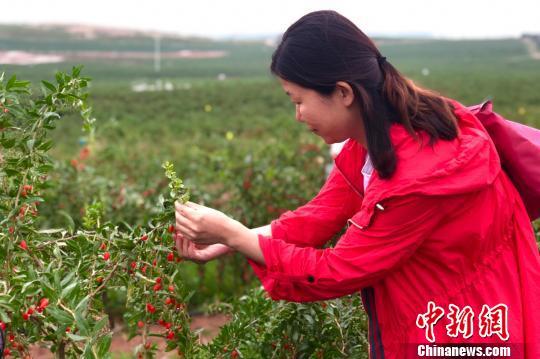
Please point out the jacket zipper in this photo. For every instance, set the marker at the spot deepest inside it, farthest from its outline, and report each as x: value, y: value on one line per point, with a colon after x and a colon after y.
x: 376, y: 350
x: 348, y: 182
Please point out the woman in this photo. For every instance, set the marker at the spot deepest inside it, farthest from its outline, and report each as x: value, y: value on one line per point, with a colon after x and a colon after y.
x: 438, y: 239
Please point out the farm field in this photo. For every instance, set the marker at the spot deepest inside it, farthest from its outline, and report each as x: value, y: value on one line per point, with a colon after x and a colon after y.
x: 230, y: 132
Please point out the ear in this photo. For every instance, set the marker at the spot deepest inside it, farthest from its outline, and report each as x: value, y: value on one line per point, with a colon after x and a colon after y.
x: 344, y: 93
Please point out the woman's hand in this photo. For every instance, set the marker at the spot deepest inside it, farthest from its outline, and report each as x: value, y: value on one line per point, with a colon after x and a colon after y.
x: 204, y: 225
x: 199, y: 253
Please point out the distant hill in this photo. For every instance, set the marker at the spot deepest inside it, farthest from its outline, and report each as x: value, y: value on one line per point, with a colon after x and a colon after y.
x: 93, y: 38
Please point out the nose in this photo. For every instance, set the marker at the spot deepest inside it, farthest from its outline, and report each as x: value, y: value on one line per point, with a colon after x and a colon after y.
x: 298, y: 114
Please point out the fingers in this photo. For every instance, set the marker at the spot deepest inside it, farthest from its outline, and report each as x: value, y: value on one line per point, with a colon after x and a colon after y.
x: 184, y: 210
x: 186, y: 232
x: 182, y: 222
x: 185, y: 248
x: 193, y: 205
x: 179, y: 240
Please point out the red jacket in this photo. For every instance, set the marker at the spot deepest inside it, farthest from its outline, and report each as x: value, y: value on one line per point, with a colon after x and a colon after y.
x: 449, y: 228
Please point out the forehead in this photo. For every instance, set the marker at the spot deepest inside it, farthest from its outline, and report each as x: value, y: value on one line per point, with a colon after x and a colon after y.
x: 291, y: 88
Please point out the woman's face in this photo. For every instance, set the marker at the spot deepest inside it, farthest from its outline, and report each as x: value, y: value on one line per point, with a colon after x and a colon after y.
x: 334, y: 118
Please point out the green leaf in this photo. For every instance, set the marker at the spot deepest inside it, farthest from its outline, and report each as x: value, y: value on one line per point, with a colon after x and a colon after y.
x: 30, y: 144
x: 68, y: 278
x: 11, y: 172
x: 11, y: 81
x: 81, y: 307
x: 51, y: 230
x: 67, y: 290
x: 103, y: 346
x: 45, y: 168
x: 48, y: 115
x: 101, y: 324
x: 45, y: 146
x: 63, y: 318
x: 49, y: 85
x: 76, y: 71
x: 26, y: 285
x: 8, y: 142
x: 76, y: 338
x: 81, y: 323
x: 59, y: 78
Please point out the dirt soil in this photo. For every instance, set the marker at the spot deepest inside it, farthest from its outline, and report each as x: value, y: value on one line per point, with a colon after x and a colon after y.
x: 210, y: 323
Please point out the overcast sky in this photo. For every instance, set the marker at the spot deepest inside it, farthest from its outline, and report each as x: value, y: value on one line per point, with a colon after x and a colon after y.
x: 450, y: 19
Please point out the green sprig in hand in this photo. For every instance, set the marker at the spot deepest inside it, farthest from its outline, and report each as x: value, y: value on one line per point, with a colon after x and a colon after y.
x: 178, y: 192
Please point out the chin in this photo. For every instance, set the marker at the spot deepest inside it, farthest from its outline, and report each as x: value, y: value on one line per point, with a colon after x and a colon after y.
x: 327, y: 140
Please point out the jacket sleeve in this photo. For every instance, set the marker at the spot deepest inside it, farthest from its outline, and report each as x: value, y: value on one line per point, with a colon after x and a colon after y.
x: 314, y: 223
x: 360, y: 258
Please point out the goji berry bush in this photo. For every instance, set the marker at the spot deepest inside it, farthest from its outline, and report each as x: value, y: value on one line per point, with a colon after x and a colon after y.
x: 54, y: 281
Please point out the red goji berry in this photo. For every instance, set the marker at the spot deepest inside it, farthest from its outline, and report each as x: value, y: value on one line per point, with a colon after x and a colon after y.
x: 168, y: 325
x: 143, y: 269
x: 150, y: 308
x: 170, y: 335
x: 168, y: 301
x: 140, y: 324
x: 43, y: 303
x: 25, y: 316
x: 103, y: 246
x: 23, y: 245
x: 106, y: 256
x: 170, y: 257
x: 157, y: 287
x: 133, y: 265
x: 171, y: 288
x: 234, y: 354
x: 11, y: 230
x: 3, y: 326
x: 68, y: 329
x: 144, y: 238
x: 158, y: 280
x: 7, y: 352
x: 171, y: 228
